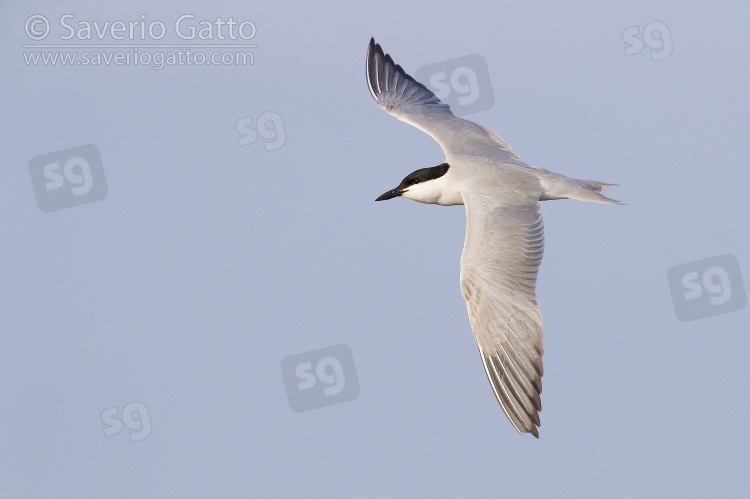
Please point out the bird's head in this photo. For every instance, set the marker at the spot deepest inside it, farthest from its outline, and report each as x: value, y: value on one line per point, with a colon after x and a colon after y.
x: 424, y: 185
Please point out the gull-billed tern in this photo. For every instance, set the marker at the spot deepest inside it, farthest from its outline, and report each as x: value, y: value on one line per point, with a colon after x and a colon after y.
x: 504, y: 230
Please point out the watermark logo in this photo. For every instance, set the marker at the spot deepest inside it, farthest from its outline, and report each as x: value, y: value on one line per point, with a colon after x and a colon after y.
x: 71, y: 41
x: 320, y: 378
x: 37, y: 27
x: 517, y: 326
x: 134, y: 416
x: 268, y: 126
x: 462, y: 83
x: 68, y: 178
x: 655, y: 36
x: 707, y: 287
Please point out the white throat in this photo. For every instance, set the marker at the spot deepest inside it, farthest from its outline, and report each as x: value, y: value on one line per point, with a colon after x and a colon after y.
x: 435, y: 191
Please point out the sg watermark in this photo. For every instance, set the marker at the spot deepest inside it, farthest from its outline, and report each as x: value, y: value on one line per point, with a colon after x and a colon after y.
x: 463, y: 83
x: 134, y: 416
x: 68, y: 178
x: 707, y: 287
x: 320, y: 378
x: 654, y: 35
x: 138, y: 42
x: 517, y: 326
x: 268, y: 126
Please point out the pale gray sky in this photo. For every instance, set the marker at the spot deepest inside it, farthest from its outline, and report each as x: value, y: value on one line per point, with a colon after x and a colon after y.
x: 175, y: 295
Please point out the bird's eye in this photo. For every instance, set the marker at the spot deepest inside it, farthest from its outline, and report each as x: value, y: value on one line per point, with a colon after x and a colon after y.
x: 414, y: 181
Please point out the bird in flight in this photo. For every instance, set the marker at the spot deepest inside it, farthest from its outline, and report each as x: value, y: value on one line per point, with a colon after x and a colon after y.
x: 504, y: 230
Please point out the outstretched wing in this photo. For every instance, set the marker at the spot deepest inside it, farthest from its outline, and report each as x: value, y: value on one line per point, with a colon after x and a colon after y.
x: 499, y: 265
x: 408, y: 100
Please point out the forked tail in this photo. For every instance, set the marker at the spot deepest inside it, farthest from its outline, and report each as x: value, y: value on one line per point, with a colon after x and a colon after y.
x: 592, y: 192
x: 558, y: 186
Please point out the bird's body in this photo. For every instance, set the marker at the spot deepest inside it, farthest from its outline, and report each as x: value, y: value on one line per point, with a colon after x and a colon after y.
x: 504, y: 230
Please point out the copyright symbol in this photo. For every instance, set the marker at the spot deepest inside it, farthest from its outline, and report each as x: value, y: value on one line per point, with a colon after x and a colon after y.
x: 37, y: 27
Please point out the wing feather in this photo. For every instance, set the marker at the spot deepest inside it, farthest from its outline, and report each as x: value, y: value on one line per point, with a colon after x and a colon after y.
x: 499, y: 266
x: 408, y: 100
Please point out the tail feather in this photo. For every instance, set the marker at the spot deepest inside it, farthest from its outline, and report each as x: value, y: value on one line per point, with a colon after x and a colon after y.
x: 558, y: 186
x: 595, y: 188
